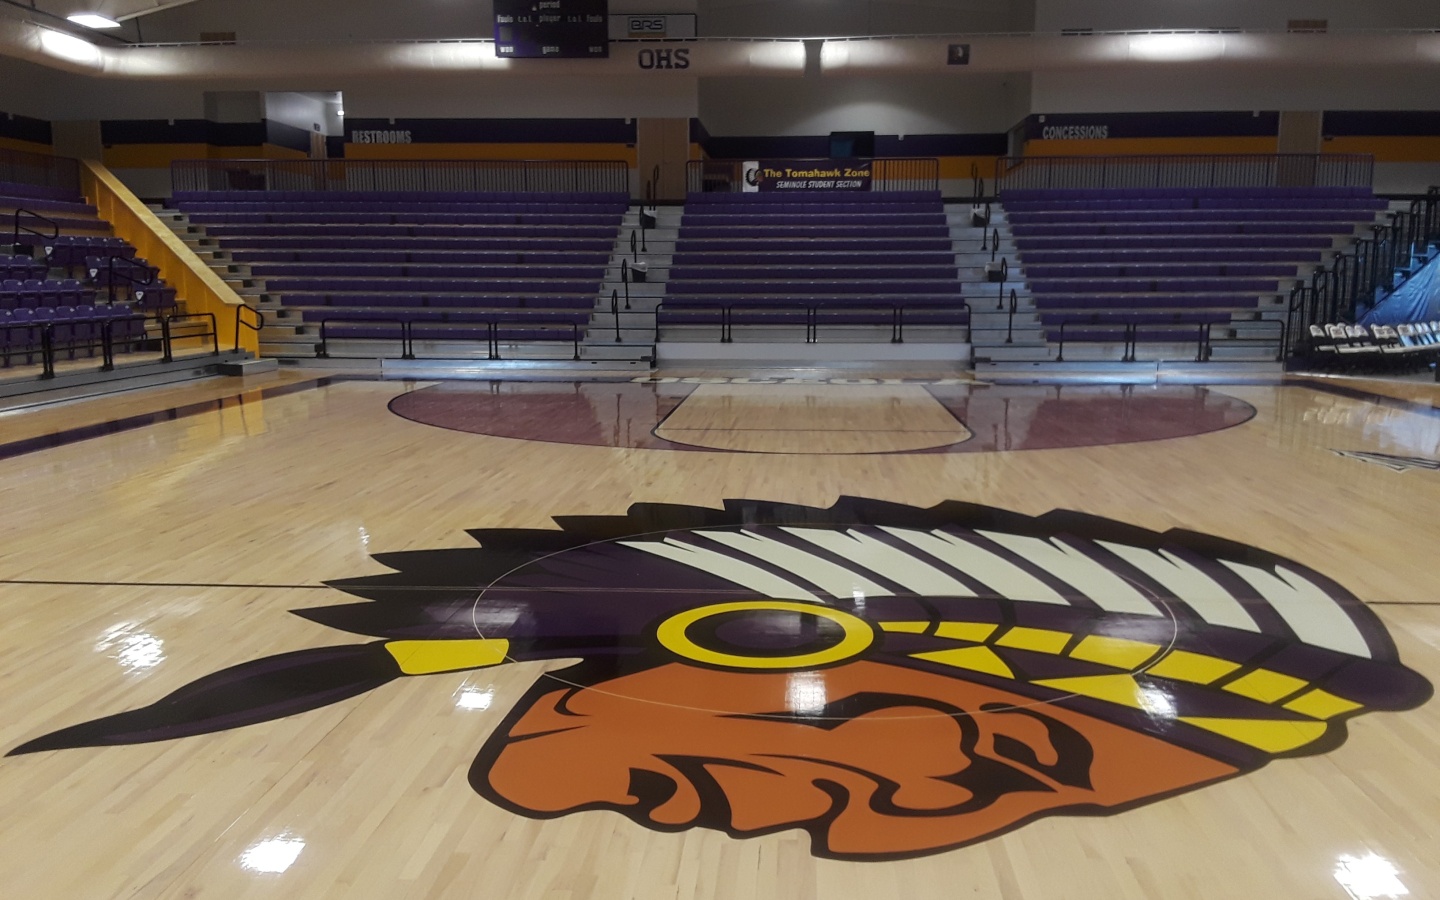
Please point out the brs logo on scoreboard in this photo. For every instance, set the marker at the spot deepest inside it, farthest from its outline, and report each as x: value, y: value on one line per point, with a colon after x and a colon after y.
x: 645, y: 26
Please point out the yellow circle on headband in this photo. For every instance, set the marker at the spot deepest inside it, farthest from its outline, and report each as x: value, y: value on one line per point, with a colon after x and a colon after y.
x: 858, y: 636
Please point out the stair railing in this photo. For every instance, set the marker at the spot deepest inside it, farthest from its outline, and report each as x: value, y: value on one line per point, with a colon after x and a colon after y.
x: 111, y: 275
x: 54, y: 229
x: 240, y: 321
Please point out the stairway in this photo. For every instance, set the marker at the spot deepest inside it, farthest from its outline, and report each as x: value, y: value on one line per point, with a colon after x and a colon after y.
x: 994, y: 334
x: 279, y: 338
x: 634, y: 341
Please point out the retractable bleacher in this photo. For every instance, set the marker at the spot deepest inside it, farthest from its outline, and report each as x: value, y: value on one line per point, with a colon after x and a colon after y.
x: 449, y: 271
x: 1176, y: 271
x: 842, y: 266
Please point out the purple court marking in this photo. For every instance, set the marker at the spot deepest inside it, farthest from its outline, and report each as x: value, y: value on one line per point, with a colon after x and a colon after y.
x: 1000, y: 417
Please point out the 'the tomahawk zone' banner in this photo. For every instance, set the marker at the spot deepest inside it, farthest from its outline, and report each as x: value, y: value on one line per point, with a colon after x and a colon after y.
x: 808, y: 175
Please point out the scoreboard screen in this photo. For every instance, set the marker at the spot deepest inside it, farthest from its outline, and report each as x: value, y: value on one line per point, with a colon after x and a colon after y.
x: 551, y: 29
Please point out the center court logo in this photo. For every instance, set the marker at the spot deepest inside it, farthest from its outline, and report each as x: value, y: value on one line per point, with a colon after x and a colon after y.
x: 895, y: 681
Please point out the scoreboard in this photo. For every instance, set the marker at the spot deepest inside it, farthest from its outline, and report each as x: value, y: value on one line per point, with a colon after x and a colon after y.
x: 551, y: 29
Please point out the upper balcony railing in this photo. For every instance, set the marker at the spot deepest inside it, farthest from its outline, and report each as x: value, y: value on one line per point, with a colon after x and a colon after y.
x: 39, y: 169
x: 422, y: 175
x: 1184, y: 171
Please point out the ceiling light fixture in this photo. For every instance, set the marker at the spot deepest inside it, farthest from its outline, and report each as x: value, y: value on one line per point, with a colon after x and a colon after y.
x: 93, y: 20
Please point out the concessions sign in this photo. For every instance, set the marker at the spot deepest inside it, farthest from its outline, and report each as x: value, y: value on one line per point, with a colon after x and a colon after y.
x: 809, y: 175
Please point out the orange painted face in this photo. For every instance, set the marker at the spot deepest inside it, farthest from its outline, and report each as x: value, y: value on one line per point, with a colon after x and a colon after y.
x: 882, y: 761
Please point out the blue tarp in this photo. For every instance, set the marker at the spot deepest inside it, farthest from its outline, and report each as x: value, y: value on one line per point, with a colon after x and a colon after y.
x: 1417, y: 300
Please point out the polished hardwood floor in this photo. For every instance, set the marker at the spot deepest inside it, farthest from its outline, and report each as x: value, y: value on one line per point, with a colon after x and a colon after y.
x: 1093, y: 642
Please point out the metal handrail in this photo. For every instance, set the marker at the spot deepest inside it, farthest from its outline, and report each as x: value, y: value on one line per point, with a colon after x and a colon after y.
x: 492, y: 325
x: 1004, y: 276
x: 406, y: 345
x: 46, y: 333
x: 1184, y: 170
x: 133, y: 280
x: 812, y: 312
x: 1130, y: 334
x: 15, y: 237
x: 625, y: 279
x: 39, y: 170
x: 1010, y: 325
x: 1278, y: 323
x: 167, y: 322
x: 240, y: 321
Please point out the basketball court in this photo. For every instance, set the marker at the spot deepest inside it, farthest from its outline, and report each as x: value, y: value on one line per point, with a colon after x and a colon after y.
x: 679, y: 636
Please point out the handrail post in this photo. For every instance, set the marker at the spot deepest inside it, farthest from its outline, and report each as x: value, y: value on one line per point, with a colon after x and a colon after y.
x: 625, y: 279
x: 1060, y: 352
x: 615, y: 313
x: 1004, y: 276
x: 575, y: 339
x: 168, y: 347
x: 47, y: 350
x: 1010, y: 327
x: 107, y: 346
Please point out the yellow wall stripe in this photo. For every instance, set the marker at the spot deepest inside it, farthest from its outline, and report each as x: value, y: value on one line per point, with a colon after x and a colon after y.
x: 25, y: 146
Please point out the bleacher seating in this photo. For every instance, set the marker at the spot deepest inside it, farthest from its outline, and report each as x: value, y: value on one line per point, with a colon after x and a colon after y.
x: 856, y: 260
x: 514, y: 267
x: 1175, y: 265
x: 57, y: 279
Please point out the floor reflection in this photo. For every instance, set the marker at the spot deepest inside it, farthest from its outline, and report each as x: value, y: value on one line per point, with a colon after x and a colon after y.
x: 791, y: 416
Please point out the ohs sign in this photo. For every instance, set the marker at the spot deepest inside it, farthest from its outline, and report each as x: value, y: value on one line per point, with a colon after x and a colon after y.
x: 664, y: 59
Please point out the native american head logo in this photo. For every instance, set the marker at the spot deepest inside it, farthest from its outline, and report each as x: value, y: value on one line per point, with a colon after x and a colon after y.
x: 895, y: 681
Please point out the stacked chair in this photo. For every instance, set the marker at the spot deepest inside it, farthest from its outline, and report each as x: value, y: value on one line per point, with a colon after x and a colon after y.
x: 1338, y: 346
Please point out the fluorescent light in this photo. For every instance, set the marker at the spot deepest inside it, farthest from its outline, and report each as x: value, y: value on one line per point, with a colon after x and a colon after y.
x: 1177, y: 47
x: 93, y: 20
x: 68, y: 46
